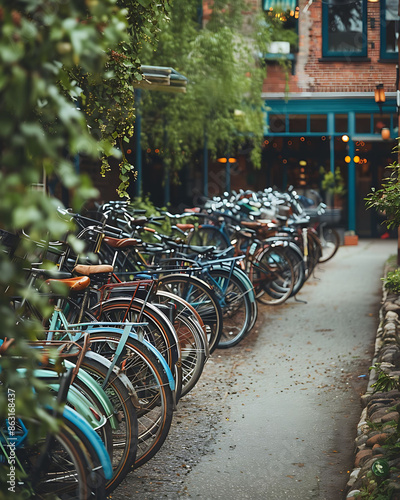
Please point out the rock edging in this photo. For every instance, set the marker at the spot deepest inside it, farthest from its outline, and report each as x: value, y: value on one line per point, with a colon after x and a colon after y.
x: 376, y: 468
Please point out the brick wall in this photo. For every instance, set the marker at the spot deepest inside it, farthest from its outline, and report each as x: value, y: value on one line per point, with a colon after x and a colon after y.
x: 314, y: 75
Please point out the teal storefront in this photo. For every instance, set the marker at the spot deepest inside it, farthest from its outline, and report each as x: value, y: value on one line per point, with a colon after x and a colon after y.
x: 303, y: 135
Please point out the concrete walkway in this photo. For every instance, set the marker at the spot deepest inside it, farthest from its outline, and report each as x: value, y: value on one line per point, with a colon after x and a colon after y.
x: 290, y: 415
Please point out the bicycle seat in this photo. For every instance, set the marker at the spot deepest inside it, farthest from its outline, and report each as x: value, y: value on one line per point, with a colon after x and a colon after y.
x: 120, y: 243
x: 75, y: 284
x: 185, y: 227
x: 201, y: 250
x: 89, y: 270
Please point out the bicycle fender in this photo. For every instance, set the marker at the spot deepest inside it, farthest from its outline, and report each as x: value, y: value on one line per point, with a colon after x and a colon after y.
x: 153, y: 349
x: 122, y: 377
x: 77, y: 420
x: 106, y: 406
x: 82, y: 405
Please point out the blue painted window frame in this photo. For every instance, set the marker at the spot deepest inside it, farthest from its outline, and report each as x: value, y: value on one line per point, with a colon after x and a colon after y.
x: 383, y: 53
x: 326, y: 53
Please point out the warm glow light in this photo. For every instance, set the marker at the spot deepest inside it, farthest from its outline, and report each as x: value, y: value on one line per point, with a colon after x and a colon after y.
x: 380, y: 93
x: 347, y: 159
x: 226, y: 160
x: 345, y: 138
x: 303, y: 163
x: 356, y: 159
x: 385, y: 133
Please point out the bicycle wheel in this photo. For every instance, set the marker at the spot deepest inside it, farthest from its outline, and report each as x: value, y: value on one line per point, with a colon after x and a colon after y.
x: 208, y: 236
x: 235, y: 305
x: 96, y: 479
x: 200, y: 296
x: 159, y: 331
x: 65, y: 471
x: 330, y: 242
x: 154, y: 402
x: 314, y: 250
x: 192, y: 340
x: 125, y: 434
x: 272, y: 275
x: 293, y: 253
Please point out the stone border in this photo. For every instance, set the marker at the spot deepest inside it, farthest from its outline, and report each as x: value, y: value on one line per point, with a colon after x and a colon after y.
x: 377, y: 422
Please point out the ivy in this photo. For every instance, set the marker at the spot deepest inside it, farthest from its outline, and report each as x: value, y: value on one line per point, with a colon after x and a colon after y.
x: 57, y: 76
x: 225, y: 74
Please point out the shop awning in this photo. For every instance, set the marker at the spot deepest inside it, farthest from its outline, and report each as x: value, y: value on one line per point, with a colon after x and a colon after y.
x: 162, y: 78
x: 280, y: 5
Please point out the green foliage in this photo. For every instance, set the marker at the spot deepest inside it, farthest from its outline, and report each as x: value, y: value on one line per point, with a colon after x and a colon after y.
x: 376, y: 490
x: 387, y: 199
x: 144, y: 203
x: 384, y: 382
x: 51, y: 53
x: 332, y: 183
x: 225, y: 75
x: 392, y: 281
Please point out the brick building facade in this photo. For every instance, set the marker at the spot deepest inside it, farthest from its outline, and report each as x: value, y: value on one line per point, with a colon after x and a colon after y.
x: 345, y: 50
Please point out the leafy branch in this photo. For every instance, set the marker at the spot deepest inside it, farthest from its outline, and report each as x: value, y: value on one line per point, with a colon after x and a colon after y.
x: 387, y: 199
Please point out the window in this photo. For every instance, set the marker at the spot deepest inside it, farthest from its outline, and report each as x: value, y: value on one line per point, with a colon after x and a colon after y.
x: 277, y: 123
x: 298, y: 123
x: 341, y: 123
x: 318, y: 123
x: 344, y: 28
x: 389, y: 29
x: 363, y: 123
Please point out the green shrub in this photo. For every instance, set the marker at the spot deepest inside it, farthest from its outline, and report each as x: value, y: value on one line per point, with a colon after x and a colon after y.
x: 392, y: 281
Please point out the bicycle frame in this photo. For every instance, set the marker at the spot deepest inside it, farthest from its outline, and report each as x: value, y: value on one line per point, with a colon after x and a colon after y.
x: 126, y: 330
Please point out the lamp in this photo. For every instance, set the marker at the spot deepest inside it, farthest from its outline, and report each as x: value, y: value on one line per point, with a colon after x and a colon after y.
x: 385, y: 133
x: 380, y: 97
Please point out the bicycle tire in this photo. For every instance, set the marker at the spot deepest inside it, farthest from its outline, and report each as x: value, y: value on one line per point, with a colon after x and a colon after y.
x: 330, y: 242
x: 66, y: 453
x: 192, y: 339
x: 272, y: 275
x: 235, y: 305
x: 294, y: 255
x: 200, y: 296
x: 155, y: 400
x: 95, y: 479
x: 125, y: 437
x: 159, y: 330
